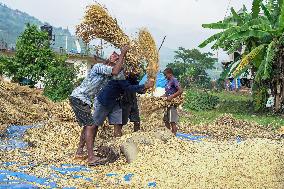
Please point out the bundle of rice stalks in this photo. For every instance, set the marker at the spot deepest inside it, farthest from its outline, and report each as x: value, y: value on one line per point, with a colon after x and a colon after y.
x: 150, y: 52
x: 98, y: 23
x: 153, y: 103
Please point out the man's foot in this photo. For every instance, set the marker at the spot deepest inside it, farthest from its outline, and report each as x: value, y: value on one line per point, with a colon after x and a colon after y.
x: 174, y: 129
x: 117, y: 131
x: 81, y: 157
x: 95, y: 161
x: 80, y: 151
x: 168, y: 125
x: 80, y: 154
x: 136, y: 127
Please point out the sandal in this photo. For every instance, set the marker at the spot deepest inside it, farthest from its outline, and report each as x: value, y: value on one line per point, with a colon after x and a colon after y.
x: 95, y: 163
x: 80, y: 157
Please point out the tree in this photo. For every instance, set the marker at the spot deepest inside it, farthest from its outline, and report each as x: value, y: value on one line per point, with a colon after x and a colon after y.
x: 262, y: 37
x: 59, y: 79
x: 190, y: 65
x: 34, y: 60
x: 33, y: 54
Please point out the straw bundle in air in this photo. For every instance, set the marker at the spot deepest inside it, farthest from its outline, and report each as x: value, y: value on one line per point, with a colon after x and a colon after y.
x: 97, y: 23
x: 150, y: 52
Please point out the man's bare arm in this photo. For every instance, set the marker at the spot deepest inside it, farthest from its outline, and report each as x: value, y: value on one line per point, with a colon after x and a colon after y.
x: 118, y: 66
x: 178, y: 93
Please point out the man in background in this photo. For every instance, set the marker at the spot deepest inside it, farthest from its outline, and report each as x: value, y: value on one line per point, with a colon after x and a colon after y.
x: 130, y: 110
x: 173, y: 90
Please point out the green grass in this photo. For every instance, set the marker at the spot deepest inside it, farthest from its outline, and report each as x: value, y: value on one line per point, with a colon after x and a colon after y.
x: 239, y: 106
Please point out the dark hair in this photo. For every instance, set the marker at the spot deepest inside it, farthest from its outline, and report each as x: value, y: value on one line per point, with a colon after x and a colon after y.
x: 168, y: 70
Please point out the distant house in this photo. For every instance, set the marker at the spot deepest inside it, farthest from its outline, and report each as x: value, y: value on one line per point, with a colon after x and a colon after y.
x: 84, y: 63
x: 244, y: 80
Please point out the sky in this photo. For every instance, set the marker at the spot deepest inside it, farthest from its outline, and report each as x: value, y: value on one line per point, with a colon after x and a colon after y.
x: 179, y: 20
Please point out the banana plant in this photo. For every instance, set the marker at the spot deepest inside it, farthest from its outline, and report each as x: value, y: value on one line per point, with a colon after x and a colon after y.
x: 259, y: 31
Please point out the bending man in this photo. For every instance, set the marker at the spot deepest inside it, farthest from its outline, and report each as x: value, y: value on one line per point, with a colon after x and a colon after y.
x: 107, y: 100
x: 81, y: 98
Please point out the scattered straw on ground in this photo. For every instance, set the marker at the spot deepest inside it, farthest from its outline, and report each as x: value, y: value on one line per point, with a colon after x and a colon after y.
x: 256, y: 162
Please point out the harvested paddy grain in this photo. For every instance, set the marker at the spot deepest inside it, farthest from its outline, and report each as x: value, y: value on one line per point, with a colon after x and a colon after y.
x: 256, y: 162
x: 228, y: 127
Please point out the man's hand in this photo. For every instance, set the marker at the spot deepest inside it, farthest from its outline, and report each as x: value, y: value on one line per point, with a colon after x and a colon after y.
x: 169, y: 98
x: 125, y: 49
x: 149, y: 84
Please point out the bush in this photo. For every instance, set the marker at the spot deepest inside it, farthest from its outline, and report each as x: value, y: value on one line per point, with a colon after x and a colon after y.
x: 200, y: 100
x: 7, y: 65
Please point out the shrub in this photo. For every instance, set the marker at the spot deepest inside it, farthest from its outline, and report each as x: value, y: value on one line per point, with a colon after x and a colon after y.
x: 200, y: 100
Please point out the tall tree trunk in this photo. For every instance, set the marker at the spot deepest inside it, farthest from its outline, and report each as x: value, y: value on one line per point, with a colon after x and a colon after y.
x: 281, y: 76
x: 278, y: 81
x: 277, y: 96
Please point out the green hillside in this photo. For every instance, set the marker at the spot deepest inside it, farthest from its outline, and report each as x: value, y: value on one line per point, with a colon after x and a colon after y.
x: 12, y: 24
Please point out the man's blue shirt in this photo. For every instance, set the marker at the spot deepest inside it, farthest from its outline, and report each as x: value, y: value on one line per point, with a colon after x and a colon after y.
x: 111, y: 93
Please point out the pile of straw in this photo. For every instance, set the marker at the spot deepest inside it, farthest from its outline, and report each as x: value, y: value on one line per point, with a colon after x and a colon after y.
x: 21, y: 105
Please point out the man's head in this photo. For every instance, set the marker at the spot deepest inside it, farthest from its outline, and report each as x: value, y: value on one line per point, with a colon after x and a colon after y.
x: 113, y: 58
x: 168, y: 72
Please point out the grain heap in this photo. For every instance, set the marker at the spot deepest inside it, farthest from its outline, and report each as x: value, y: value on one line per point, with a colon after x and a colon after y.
x: 21, y: 105
x: 97, y: 23
x: 253, y: 163
x: 227, y: 127
x: 150, y: 53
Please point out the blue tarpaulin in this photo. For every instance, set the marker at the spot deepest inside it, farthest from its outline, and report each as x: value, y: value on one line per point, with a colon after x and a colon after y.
x: 14, y: 138
x: 22, y: 178
x: 190, y: 137
x: 233, y: 83
x: 160, y: 82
